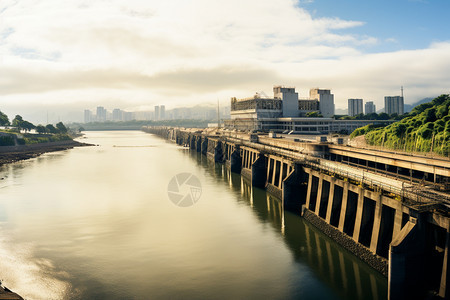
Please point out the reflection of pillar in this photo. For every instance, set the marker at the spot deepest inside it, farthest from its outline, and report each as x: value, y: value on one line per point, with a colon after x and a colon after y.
x: 343, y: 273
x: 357, y: 280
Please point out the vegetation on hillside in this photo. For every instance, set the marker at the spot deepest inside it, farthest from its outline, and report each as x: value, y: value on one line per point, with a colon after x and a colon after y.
x: 20, y: 134
x: 425, y: 129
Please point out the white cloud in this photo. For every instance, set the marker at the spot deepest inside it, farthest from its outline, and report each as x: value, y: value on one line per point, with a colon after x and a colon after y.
x: 146, y: 52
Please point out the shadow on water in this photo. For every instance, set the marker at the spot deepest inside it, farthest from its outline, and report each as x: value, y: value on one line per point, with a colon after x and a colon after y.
x: 345, y: 274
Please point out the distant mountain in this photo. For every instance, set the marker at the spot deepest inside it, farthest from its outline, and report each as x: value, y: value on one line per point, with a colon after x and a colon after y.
x: 409, y: 107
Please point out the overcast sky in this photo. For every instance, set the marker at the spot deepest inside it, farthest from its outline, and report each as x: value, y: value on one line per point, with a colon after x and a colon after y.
x: 61, y: 57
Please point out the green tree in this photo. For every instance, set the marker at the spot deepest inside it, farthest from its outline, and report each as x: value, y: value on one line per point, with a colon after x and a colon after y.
x: 314, y: 114
x: 27, y: 126
x: 61, y: 127
x: 4, y: 120
x: 52, y: 129
x: 17, y: 122
x: 41, y: 129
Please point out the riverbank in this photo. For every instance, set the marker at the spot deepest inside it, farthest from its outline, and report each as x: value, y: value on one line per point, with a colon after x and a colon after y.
x: 10, y: 154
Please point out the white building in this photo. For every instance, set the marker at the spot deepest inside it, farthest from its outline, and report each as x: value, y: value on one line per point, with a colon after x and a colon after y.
x: 289, y: 99
x: 326, y: 101
x: 355, y: 107
x: 162, y: 112
x: 394, y: 105
x: 117, y: 114
x: 156, y: 112
x: 369, y: 108
x: 87, y: 116
x: 101, y: 114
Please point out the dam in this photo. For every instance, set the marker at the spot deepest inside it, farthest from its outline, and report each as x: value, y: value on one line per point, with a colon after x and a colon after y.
x: 391, y: 210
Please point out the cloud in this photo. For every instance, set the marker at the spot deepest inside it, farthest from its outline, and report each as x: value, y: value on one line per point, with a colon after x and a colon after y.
x: 189, y: 51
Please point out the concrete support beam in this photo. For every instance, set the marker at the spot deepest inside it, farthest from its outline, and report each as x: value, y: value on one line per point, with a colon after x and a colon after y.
x: 444, y: 288
x: 376, y: 225
x: 308, y: 194
x: 330, y: 200
x: 406, y: 263
x: 359, y: 212
x: 319, y: 195
x: 343, y: 207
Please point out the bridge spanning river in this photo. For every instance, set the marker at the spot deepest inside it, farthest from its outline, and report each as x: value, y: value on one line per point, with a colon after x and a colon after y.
x: 389, y: 209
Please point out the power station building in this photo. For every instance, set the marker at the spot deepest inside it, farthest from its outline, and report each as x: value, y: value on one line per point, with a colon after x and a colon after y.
x: 285, y: 112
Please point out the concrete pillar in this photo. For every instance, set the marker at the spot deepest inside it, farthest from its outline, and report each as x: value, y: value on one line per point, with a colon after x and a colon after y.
x: 376, y: 225
x: 359, y: 211
x: 397, y: 221
x: 235, y: 162
x: 319, y: 195
x: 330, y: 200
x: 280, y: 180
x: 344, y: 206
x: 269, y: 169
x: 444, y: 288
x: 406, y: 278
x: 259, y: 172
x: 308, y: 194
x: 274, y: 171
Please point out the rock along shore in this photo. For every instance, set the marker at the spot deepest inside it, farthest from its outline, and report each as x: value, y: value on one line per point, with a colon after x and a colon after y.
x: 10, y: 154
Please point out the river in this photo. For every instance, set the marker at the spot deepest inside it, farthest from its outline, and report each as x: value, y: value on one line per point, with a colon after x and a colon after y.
x: 101, y: 223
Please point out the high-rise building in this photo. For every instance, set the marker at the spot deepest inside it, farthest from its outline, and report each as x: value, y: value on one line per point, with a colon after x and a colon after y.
x: 326, y: 101
x: 156, y: 112
x: 355, y: 107
x: 101, y: 114
x: 87, y: 116
x: 162, y: 112
x: 369, y: 108
x: 117, y: 114
x: 394, y: 105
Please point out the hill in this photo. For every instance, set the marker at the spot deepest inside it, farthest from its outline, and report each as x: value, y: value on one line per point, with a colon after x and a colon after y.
x: 425, y: 129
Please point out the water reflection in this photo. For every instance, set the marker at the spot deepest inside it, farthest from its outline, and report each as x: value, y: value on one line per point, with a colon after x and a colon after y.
x: 349, y: 277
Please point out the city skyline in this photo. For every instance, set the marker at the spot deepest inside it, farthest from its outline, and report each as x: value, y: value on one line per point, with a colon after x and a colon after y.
x: 62, y: 57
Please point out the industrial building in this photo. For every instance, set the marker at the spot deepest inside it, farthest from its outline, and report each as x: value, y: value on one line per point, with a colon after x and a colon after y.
x: 285, y: 112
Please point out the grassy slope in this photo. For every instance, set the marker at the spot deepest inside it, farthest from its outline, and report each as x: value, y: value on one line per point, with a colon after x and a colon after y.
x: 427, y: 128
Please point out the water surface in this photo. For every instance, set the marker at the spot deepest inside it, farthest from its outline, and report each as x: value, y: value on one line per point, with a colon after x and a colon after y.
x: 97, y: 223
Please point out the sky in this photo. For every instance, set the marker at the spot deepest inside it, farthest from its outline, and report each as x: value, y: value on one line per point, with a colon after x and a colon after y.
x: 58, y: 58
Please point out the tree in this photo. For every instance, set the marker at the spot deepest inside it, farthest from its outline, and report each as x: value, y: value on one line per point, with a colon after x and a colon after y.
x: 52, y: 129
x: 17, y: 122
x: 314, y: 114
x: 61, y: 127
x: 4, y: 121
x: 27, y: 126
x: 41, y: 129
